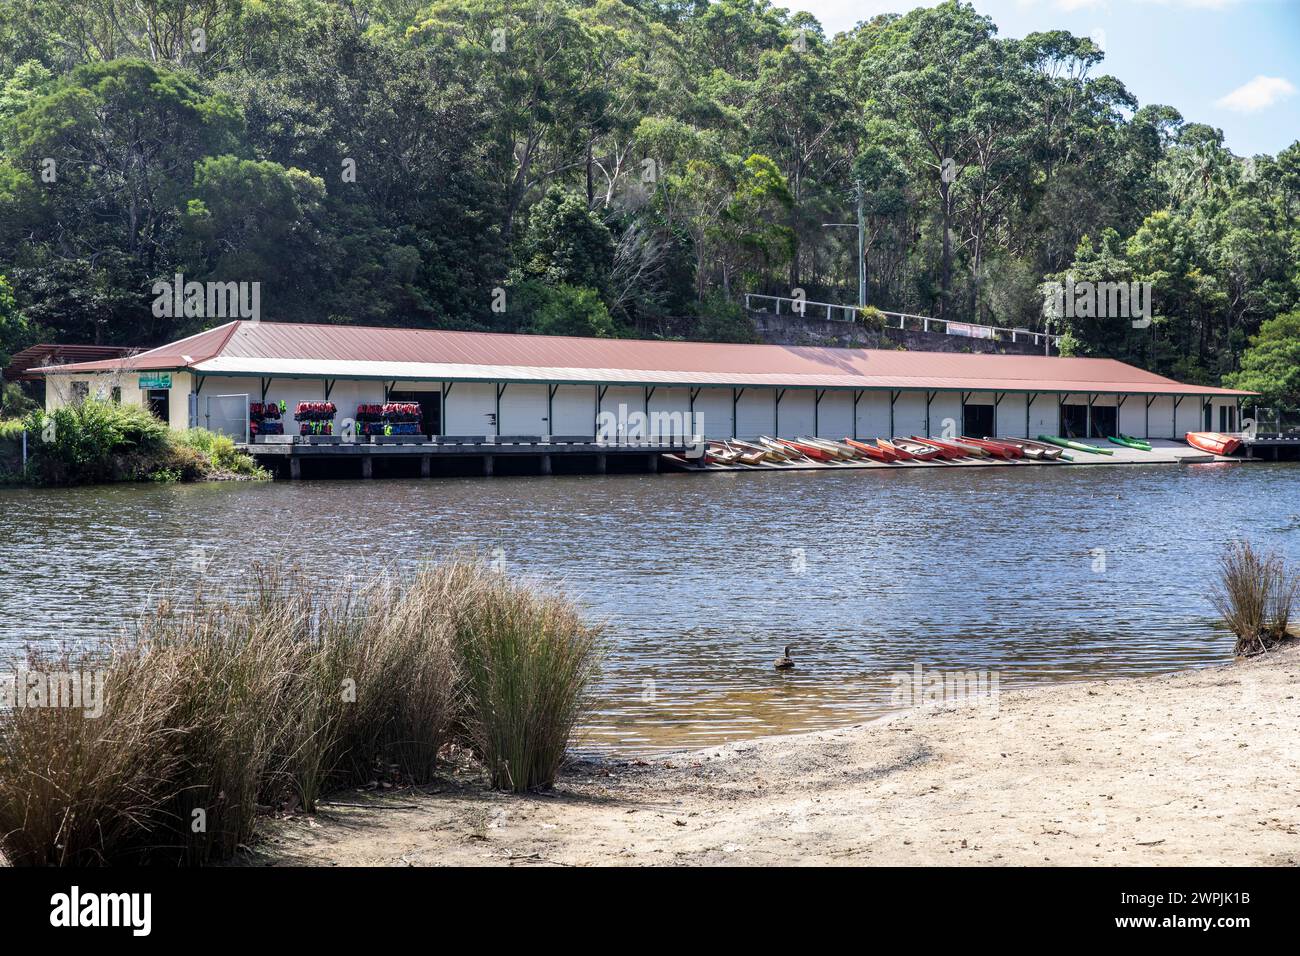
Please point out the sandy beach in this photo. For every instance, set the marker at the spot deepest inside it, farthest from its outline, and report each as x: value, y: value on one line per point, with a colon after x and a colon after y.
x: 1197, y: 767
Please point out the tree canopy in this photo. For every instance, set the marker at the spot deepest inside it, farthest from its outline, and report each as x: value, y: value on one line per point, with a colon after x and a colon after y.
x: 617, y: 167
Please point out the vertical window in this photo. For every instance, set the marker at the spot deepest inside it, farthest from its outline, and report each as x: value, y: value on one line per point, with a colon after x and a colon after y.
x: 80, y: 392
x: 115, y: 395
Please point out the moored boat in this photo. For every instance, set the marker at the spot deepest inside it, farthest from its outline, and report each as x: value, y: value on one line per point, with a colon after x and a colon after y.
x: 809, y: 451
x: 1076, y: 445
x: 842, y: 452
x: 874, y: 452
x: 1049, y: 452
x: 955, y: 449
x: 946, y: 451
x: 999, y: 448
x: 913, y: 449
x: 1214, y: 442
x: 1126, y: 442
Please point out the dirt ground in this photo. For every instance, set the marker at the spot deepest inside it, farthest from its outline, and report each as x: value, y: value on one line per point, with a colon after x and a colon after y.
x: 1199, y: 767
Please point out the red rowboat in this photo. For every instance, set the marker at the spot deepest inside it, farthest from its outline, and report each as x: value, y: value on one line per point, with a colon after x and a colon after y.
x: 917, y: 450
x: 1213, y: 442
x: 892, y: 449
x: 812, y: 451
x: 1001, y: 449
x: 951, y: 450
x: 871, y: 451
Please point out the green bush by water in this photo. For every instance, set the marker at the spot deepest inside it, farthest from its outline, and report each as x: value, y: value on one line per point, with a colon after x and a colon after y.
x: 94, y: 441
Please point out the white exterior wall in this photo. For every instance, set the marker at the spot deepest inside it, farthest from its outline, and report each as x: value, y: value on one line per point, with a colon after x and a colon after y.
x: 573, y: 410
x: 1190, y: 416
x: 1161, y: 416
x: 1009, y: 419
x: 1219, y: 403
x: 909, y: 414
x: 523, y: 410
x: 624, y: 398
x: 58, y: 388
x: 947, y: 405
x: 873, y: 415
x: 468, y: 410
x: 100, y: 385
x: 1044, y: 416
x: 670, y: 409
x: 713, y: 410
x: 756, y: 413
x: 1133, y: 416
x: 835, y: 416
x: 470, y: 407
x: 795, y: 414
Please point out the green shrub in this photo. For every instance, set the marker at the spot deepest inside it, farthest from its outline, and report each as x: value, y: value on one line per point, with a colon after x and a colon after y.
x: 723, y: 321
x: 220, y: 452
x: 94, y: 441
x: 529, y: 662
x: 869, y: 317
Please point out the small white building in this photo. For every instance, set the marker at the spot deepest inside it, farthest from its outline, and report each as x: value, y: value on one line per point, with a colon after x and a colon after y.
x: 490, y: 384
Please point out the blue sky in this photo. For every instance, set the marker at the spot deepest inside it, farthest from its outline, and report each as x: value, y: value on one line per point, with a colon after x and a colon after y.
x: 1234, y: 64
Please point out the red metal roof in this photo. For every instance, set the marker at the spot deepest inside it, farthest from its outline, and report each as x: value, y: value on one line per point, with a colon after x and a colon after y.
x: 288, y: 349
x: 22, y: 362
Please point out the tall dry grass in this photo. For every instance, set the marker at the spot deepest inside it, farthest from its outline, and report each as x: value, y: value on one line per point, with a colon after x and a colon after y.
x: 529, y: 660
x: 227, y: 705
x: 1255, y: 595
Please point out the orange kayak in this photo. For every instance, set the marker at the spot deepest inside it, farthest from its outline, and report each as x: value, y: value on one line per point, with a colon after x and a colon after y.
x: 1213, y: 442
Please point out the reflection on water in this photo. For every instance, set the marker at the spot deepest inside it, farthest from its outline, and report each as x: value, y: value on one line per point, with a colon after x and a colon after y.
x: 1040, y: 574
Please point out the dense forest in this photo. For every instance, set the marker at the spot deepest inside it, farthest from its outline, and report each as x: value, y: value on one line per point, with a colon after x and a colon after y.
x: 617, y: 167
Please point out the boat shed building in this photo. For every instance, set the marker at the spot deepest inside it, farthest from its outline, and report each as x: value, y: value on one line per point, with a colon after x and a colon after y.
x: 490, y: 384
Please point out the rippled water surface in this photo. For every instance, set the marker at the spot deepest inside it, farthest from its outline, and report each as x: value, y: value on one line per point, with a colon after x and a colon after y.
x: 1041, y: 574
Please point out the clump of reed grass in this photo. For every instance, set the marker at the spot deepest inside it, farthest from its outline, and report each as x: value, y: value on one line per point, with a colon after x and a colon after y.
x: 529, y: 661
x: 1255, y: 595
x: 231, y: 704
x: 77, y: 790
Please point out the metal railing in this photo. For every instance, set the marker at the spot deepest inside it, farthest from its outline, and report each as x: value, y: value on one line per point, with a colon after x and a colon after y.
x: 838, y: 312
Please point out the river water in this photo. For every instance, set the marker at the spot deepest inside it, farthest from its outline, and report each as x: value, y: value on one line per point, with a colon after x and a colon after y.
x: 1037, y: 574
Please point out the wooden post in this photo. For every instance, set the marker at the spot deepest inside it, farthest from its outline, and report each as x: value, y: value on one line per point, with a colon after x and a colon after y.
x: 487, y: 465
x: 600, y: 464
x: 367, y: 466
x: 545, y: 464
x: 426, y: 463
x: 295, y: 467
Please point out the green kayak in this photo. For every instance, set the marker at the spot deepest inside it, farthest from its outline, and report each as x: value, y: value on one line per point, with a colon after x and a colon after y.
x: 1076, y: 445
x: 1129, y: 442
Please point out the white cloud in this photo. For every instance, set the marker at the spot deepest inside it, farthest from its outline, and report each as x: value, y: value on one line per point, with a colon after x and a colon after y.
x: 1260, y: 93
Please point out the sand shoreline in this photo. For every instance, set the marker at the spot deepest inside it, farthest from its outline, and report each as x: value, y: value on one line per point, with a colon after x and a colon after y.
x: 1196, y: 767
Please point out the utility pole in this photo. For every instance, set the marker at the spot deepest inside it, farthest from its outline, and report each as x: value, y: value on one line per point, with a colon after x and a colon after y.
x: 861, y: 225
x: 862, y: 250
